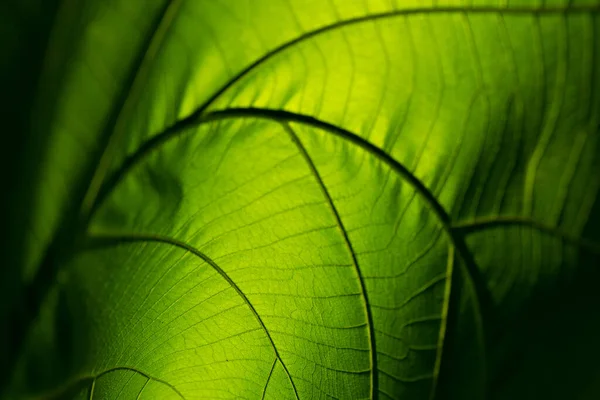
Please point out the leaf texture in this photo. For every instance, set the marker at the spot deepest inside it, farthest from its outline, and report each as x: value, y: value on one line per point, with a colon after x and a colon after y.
x: 293, y: 199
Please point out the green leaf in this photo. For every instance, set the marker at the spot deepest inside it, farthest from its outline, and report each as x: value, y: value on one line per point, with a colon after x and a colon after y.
x: 302, y: 199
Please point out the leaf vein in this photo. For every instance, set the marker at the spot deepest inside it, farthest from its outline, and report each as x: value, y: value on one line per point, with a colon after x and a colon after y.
x: 363, y: 291
x: 140, y: 237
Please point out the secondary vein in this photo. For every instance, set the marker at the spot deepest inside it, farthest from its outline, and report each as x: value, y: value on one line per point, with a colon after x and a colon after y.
x: 363, y: 291
x: 456, y: 237
x: 64, y: 390
x: 107, y: 239
x: 264, y: 393
x: 484, y: 223
x: 115, y: 128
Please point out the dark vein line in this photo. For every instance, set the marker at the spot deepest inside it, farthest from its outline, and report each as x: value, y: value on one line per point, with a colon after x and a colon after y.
x: 108, y: 239
x: 124, y: 386
x: 312, y: 297
x: 407, y: 379
x: 403, y: 327
x: 318, y: 389
x: 279, y: 116
x: 145, y: 375
x: 219, y: 362
x: 411, y: 83
x: 472, y: 10
x: 397, y: 358
x: 317, y: 344
x: 239, y: 335
x: 279, y: 240
x: 571, y: 167
x: 363, y: 291
x: 35, y: 292
x: 323, y: 364
x: 285, y: 116
x: 128, y: 99
x: 483, y: 92
x: 533, y: 159
x: 386, y: 76
x: 573, y: 162
x: 475, y: 280
x: 424, y: 252
x: 149, y: 352
x: 551, y: 116
x: 113, y: 179
x: 208, y: 224
x: 386, y: 394
x: 59, y: 393
x: 429, y: 285
x: 229, y: 378
x: 514, y: 105
x: 310, y: 323
x: 264, y: 393
x: 483, y: 223
x: 139, y: 396
x: 131, y: 327
x: 391, y: 14
x: 437, y: 109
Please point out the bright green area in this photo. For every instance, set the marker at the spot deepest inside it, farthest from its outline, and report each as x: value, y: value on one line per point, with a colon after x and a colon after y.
x: 301, y: 199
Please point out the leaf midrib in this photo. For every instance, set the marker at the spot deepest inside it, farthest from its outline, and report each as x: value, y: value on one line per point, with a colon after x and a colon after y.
x: 374, y: 386
x: 127, y: 101
x: 475, y: 281
x: 372, y: 17
x: 514, y: 10
x: 201, y: 109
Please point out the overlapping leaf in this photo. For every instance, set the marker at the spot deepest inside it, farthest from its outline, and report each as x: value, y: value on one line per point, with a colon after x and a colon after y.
x: 294, y: 199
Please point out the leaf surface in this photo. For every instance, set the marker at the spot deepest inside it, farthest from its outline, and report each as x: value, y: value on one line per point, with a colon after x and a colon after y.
x: 303, y: 199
